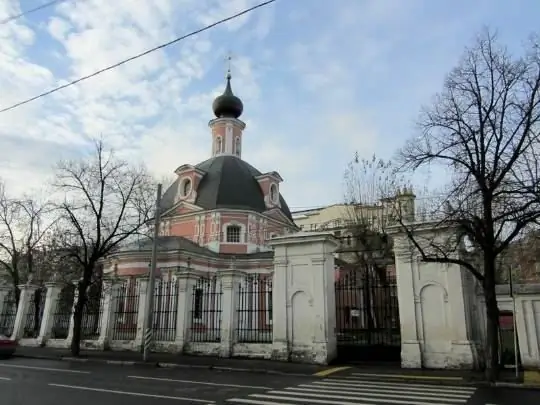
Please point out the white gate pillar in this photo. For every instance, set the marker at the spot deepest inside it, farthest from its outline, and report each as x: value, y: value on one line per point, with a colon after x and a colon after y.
x: 108, y: 316
x: 51, y: 298
x: 186, y: 278
x: 435, y: 302
x: 27, y: 291
x: 304, y: 300
x: 230, y: 280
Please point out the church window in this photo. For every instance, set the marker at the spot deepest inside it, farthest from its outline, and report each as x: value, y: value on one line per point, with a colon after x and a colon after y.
x: 219, y: 144
x: 233, y: 234
x: 185, y: 187
x: 274, y: 196
x: 237, y: 146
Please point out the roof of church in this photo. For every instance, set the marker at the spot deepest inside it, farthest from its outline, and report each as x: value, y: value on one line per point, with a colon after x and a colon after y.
x: 229, y: 182
x: 172, y: 243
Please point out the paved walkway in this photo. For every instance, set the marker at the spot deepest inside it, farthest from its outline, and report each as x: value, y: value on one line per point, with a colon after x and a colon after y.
x: 172, y: 360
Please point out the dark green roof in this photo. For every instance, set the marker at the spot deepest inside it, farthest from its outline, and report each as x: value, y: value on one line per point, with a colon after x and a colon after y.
x: 228, y: 182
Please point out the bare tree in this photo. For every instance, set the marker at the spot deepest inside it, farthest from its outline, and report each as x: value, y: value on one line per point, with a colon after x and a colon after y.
x: 483, y: 127
x: 106, y: 201
x: 24, y: 224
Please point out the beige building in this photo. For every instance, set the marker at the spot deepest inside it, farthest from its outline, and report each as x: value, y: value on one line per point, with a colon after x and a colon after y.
x: 341, y: 219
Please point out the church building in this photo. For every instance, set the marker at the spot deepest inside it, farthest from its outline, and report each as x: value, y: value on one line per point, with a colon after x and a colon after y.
x: 217, y: 212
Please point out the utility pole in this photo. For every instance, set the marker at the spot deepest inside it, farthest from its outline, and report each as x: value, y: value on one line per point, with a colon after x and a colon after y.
x: 514, y: 321
x: 148, y: 323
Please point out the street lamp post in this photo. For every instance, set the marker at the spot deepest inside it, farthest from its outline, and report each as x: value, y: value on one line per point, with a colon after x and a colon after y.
x: 151, y: 282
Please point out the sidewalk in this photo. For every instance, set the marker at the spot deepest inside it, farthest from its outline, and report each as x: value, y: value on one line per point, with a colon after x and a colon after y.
x: 377, y: 371
x: 172, y: 360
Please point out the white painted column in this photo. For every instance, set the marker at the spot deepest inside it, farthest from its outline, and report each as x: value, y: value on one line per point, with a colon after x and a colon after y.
x: 435, y: 302
x: 110, y: 303
x: 51, y: 298
x: 281, y: 324
x: 230, y: 280
x: 411, y: 354
x: 27, y: 291
x: 186, y: 282
x: 304, y: 297
x: 142, y: 286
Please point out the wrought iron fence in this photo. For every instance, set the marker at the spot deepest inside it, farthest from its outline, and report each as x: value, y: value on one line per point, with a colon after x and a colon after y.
x: 165, y: 310
x: 206, y: 310
x: 62, y: 312
x: 255, y: 310
x: 34, y: 313
x: 8, y: 314
x: 126, y: 312
x: 92, y: 313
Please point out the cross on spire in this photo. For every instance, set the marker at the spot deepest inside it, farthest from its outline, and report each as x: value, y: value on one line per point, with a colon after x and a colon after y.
x: 229, y: 64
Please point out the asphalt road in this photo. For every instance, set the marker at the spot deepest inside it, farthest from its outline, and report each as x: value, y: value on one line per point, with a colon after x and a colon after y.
x: 31, y: 382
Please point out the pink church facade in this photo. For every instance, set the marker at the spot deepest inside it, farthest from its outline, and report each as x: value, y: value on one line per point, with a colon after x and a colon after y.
x: 217, y: 212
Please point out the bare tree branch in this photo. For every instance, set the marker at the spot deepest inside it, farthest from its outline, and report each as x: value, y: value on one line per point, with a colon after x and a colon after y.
x: 484, y: 128
x: 105, y: 202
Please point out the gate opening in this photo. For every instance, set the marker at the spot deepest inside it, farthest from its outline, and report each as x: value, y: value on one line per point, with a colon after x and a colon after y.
x: 367, y: 318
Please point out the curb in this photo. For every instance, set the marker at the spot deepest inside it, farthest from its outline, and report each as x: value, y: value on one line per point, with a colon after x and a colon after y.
x: 403, y: 378
x: 158, y: 364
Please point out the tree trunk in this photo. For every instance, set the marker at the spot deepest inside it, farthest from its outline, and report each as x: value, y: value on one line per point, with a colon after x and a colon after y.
x: 77, y: 319
x: 492, y: 326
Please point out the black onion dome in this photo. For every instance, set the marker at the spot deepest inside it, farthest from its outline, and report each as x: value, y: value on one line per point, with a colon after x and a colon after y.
x: 228, y: 105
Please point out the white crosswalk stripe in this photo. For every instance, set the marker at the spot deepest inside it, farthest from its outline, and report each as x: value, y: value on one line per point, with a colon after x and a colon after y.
x: 353, y: 390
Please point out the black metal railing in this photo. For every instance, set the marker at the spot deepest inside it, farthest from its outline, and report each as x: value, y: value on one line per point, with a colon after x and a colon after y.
x: 8, y: 314
x: 367, y: 316
x: 165, y: 310
x: 126, y: 312
x: 62, y: 312
x: 92, y: 313
x: 255, y: 310
x: 34, y: 313
x: 205, y: 325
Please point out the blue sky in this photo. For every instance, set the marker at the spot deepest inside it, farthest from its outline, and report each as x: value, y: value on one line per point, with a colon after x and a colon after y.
x: 319, y: 80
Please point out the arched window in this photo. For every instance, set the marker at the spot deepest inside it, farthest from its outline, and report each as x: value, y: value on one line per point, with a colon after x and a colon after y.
x: 237, y: 146
x: 186, y: 187
x: 233, y: 234
x: 274, y: 197
x: 219, y: 144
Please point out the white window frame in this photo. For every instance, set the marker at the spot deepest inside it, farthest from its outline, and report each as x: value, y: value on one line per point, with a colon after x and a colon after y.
x: 242, y: 232
x: 183, y: 182
x: 274, y: 198
x: 219, y: 144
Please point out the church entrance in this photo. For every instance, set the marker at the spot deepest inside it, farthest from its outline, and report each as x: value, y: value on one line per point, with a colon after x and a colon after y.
x: 367, y: 319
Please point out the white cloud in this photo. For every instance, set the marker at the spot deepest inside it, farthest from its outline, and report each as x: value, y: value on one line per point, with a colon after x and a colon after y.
x: 318, y: 82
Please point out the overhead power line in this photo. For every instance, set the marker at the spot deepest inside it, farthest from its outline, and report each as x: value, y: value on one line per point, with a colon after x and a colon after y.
x: 206, y: 28
x: 32, y: 10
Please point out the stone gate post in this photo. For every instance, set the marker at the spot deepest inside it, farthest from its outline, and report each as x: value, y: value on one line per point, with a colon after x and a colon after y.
x: 304, y: 300
x: 435, y: 302
x: 27, y: 291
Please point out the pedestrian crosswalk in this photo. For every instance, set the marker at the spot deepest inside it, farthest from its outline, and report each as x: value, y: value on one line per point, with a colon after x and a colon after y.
x: 355, y: 390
